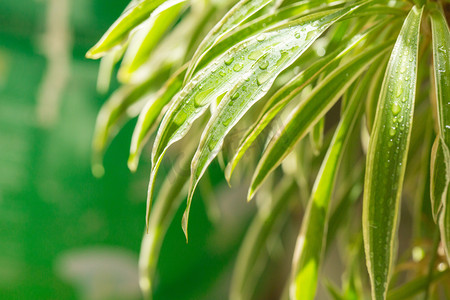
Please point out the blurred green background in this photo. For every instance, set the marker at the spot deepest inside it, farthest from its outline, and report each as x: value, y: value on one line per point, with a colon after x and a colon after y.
x: 63, y: 233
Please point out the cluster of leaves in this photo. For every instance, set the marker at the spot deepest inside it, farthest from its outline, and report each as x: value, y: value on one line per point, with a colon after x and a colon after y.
x: 277, y: 71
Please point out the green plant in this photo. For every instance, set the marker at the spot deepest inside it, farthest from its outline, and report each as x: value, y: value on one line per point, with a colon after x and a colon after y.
x: 290, y: 64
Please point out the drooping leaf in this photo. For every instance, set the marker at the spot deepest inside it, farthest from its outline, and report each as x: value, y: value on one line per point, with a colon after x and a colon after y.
x: 253, y: 86
x: 106, y: 69
x: 135, y: 13
x: 280, y: 46
x: 254, y: 244
x: 310, y: 110
x: 373, y: 95
x: 265, y: 22
x: 124, y: 104
x: 169, y: 200
x: 441, y: 59
x: 150, y: 113
x: 439, y: 178
x: 283, y: 96
x: 243, y: 10
x: 312, y: 236
x: 387, y: 154
x: 316, y: 136
x: 147, y: 37
x: 415, y: 286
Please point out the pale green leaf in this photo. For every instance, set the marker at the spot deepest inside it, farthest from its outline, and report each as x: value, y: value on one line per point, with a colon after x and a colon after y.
x: 316, y: 136
x: 254, y: 244
x: 150, y: 32
x: 124, y: 104
x: 415, y: 286
x: 374, y: 93
x: 310, y: 110
x: 243, y: 10
x: 284, y: 95
x: 150, y: 113
x: 169, y: 200
x: 439, y: 178
x: 135, y: 13
x: 387, y: 154
x: 263, y: 23
x: 280, y: 46
x: 441, y: 59
x: 312, y: 236
x: 253, y: 85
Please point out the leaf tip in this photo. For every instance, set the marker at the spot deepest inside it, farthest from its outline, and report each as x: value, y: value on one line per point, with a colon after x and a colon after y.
x: 132, y: 162
x: 98, y: 170
x: 184, y: 224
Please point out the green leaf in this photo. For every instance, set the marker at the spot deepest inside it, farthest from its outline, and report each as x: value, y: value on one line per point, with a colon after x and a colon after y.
x: 310, y: 110
x: 316, y: 136
x: 415, y: 286
x: 124, y: 104
x: 263, y: 23
x: 284, y: 95
x: 441, y: 58
x: 255, y: 241
x: 135, y: 13
x: 279, y: 46
x: 373, y: 94
x: 253, y: 86
x: 150, y: 113
x: 169, y: 200
x: 147, y: 37
x: 243, y: 10
x: 387, y: 154
x: 312, y: 236
x: 439, y: 178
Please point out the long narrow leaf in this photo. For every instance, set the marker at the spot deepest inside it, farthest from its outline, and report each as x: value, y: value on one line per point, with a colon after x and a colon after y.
x: 321, y: 99
x: 248, y: 91
x: 387, y: 154
x: 312, y: 236
x: 243, y: 10
x: 169, y: 199
x: 124, y: 104
x: 255, y: 241
x: 415, y: 286
x: 147, y: 37
x: 150, y: 113
x: 281, y: 98
x: 134, y: 14
x: 441, y: 58
x: 439, y: 178
x: 279, y: 46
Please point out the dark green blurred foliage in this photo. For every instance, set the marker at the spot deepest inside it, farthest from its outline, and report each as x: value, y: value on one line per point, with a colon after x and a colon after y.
x: 63, y: 233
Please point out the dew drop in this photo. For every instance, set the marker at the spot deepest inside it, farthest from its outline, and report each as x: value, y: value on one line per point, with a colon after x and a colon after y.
x: 202, y: 97
x: 399, y: 91
x: 238, y: 67
x: 298, y: 35
x: 392, y: 131
x: 222, y: 73
x: 255, y: 55
x: 262, y: 77
x: 180, y: 117
x: 235, y: 96
x: 264, y: 65
x: 229, y: 61
x: 396, y: 108
x: 261, y: 37
x: 212, y: 144
x: 310, y: 34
